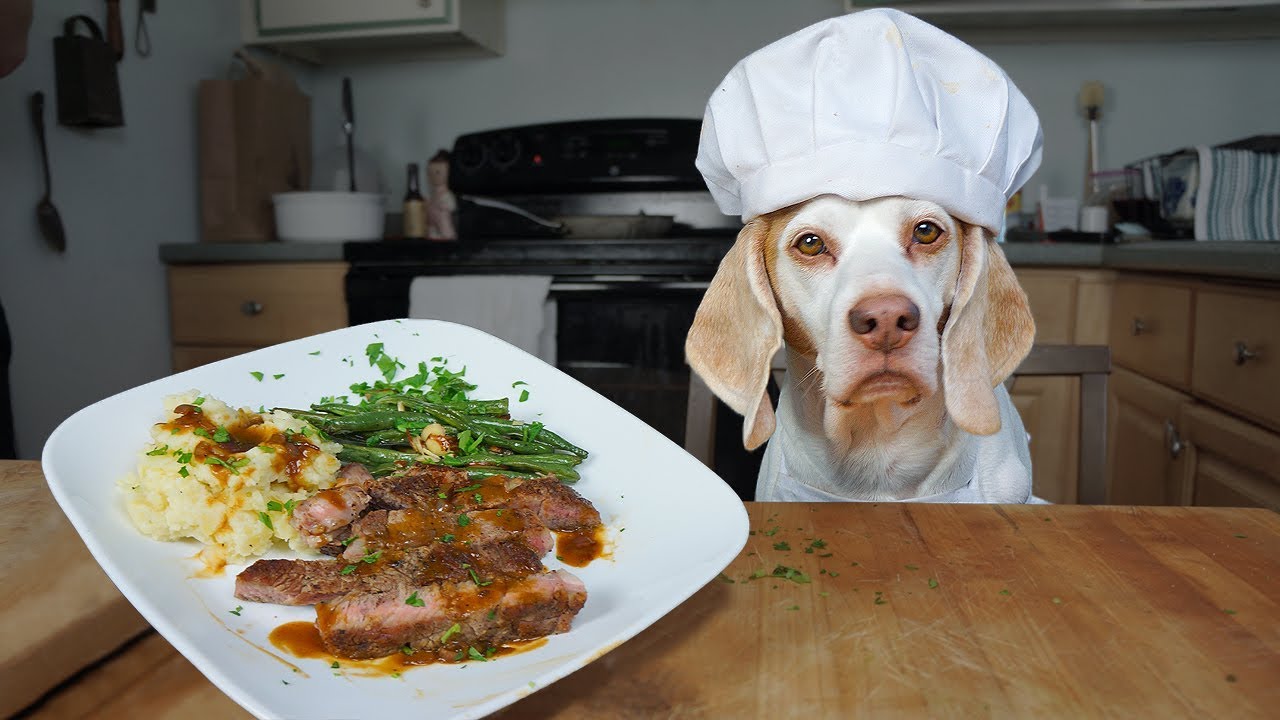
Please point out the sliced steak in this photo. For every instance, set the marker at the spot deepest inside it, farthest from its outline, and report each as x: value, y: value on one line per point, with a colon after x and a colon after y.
x: 375, y: 624
x: 412, y: 527
x: 320, y: 517
x: 418, y: 486
x: 307, y: 582
x: 559, y: 506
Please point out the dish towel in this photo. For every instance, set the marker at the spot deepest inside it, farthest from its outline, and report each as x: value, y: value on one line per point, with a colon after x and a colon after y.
x: 516, y: 308
x: 1238, y: 196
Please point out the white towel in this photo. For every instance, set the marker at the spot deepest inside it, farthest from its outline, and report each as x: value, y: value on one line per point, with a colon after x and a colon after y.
x: 516, y: 308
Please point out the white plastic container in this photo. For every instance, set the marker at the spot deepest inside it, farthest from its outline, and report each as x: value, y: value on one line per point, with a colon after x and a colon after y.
x: 328, y: 216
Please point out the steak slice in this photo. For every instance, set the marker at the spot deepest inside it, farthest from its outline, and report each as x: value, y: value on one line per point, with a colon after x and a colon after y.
x: 417, y: 486
x: 307, y: 582
x: 412, y: 527
x: 375, y: 624
x: 559, y: 506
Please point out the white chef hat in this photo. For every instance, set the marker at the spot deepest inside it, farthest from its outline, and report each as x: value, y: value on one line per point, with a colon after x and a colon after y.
x: 867, y: 105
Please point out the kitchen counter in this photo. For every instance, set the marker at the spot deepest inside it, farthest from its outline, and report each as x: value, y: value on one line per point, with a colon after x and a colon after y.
x: 903, y: 609
x: 1246, y: 260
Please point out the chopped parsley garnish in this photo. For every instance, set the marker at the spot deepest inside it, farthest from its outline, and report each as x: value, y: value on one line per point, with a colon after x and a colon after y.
x: 442, y: 495
x: 1242, y: 536
x: 198, y: 401
x: 815, y: 545
x: 182, y: 456
x: 221, y: 435
x: 880, y: 600
x: 348, y: 569
x: 162, y: 450
x: 183, y: 472
x: 476, y: 578
x: 447, y: 537
x: 277, y: 376
x: 335, y: 665
x: 518, y: 383
x: 932, y: 583
x: 267, y: 449
x: 911, y: 567
x: 1005, y: 592
x: 236, y: 612
x: 289, y: 505
x: 213, y: 460
x: 725, y: 579
x: 783, y: 545
x: 478, y: 497
x: 414, y: 600
x: 792, y: 574
x: 1229, y: 611
x: 770, y: 533
x: 524, y: 395
x: 794, y: 607
x: 266, y: 520
x: 406, y: 649
x: 201, y: 432
x: 463, y: 520
x: 372, y: 557
x: 275, y: 505
x: 453, y: 630
x: 258, y: 376
x: 314, y: 352
x: 474, y: 654
x: 493, y: 613
x: 348, y: 541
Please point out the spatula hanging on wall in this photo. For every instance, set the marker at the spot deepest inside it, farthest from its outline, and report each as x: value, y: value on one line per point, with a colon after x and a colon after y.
x: 46, y: 214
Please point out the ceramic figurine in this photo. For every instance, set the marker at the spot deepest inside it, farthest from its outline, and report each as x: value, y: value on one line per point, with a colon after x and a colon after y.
x: 441, y: 204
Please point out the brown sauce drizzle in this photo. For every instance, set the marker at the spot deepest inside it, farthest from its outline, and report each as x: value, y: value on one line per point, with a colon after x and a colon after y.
x: 290, y: 451
x: 580, y: 547
x: 301, y: 639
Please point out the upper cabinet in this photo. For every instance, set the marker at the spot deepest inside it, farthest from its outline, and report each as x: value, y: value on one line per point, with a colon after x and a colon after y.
x: 374, y: 30
x: 1027, y: 20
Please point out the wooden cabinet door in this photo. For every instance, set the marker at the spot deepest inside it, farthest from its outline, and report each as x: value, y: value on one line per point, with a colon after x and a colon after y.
x: 1231, y: 463
x: 1144, y: 442
x: 1050, y: 411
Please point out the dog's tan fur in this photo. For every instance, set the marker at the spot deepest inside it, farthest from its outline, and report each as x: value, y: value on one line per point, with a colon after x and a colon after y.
x: 765, y: 294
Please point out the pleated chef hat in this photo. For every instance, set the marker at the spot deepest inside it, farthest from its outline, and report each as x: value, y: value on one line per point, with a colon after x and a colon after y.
x: 867, y: 105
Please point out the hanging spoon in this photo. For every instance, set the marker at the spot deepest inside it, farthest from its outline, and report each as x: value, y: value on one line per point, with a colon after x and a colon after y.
x: 46, y: 213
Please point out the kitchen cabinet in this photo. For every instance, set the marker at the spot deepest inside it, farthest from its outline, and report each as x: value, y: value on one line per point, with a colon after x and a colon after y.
x: 377, y: 30
x: 1070, y: 306
x: 1195, y: 397
x: 218, y: 311
x: 1145, y: 451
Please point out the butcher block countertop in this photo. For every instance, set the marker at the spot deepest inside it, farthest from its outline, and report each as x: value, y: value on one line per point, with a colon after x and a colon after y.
x: 831, y: 610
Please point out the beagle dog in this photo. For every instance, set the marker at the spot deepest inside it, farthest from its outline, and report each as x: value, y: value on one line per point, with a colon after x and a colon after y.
x: 900, y: 324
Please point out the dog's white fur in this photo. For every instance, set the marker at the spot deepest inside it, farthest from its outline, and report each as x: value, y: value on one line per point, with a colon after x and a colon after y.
x: 865, y: 423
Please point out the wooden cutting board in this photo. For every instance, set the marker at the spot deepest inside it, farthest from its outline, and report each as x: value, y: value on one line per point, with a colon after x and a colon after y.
x: 910, y: 610
x: 60, y: 612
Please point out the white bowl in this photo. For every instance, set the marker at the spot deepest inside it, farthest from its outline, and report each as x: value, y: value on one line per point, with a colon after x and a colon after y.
x: 328, y: 216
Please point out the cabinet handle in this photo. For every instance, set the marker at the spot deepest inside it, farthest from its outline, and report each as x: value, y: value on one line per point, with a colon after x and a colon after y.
x: 251, y: 308
x: 1243, y: 353
x: 1172, y: 439
x: 1139, y: 327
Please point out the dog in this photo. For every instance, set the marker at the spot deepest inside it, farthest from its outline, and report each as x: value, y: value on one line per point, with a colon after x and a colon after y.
x: 900, y: 324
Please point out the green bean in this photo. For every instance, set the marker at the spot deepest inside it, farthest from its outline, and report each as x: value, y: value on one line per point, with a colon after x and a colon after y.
x: 336, y: 408
x: 511, y: 428
x: 386, y: 438
x: 481, y: 472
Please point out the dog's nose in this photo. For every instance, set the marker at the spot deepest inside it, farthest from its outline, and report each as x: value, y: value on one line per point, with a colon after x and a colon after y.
x: 884, y: 322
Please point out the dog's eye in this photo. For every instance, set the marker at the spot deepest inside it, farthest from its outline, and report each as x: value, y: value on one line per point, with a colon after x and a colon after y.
x: 926, y: 232
x: 810, y: 244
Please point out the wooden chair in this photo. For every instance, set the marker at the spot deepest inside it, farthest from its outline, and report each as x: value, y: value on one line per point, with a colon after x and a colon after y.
x: 1091, y: 363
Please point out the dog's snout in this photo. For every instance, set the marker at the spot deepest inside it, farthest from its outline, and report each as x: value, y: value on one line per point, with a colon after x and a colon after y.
x: 884, y: 322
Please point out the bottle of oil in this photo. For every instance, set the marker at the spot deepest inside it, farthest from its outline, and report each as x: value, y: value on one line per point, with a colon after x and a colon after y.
x: 415, y: 210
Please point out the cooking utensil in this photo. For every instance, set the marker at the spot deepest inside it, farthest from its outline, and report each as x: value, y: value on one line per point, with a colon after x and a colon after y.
x: 348, y: 129
x: 115, y: 31
x: 50, y: 222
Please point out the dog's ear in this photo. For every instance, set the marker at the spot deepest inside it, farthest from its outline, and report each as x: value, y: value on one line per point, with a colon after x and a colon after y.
x: 736, y: 332
x: 989, y: 332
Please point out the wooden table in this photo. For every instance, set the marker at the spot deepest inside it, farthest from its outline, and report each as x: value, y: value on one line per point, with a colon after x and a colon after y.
x: 938, y: 610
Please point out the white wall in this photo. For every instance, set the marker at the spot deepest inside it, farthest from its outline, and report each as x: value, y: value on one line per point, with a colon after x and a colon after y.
x: 569, y: 59
x: 93, y: 322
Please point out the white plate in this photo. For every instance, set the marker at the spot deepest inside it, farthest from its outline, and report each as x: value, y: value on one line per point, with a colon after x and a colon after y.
x: 682, y: 525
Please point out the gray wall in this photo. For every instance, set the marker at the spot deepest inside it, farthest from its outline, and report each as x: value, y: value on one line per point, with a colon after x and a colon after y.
x: 93, y: 322
x: 569, y: 59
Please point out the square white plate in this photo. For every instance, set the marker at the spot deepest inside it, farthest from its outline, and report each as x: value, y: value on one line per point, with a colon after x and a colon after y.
x: 682, y: 525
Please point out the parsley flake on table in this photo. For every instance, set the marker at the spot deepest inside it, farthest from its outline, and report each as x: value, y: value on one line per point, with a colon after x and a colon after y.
x: 816, y: 545
x: 783, y: 545
x: 1006, y: 591
x: 911, y: 567
x: 256, y: 375
x: 1229, y: 611
x: 880, y: 599
x: 794, y: 607
x: 414, y: 600
x: 932, y: 583
x: 772, y: 532
x: 725, y: 579
x: 1242, y: 536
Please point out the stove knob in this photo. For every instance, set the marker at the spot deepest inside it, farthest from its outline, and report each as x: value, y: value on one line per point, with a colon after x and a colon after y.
x: 505, y: 150
x: 469, y: 155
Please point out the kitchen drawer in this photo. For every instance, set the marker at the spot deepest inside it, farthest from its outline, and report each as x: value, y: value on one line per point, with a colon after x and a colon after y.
x: 1232, y: 463
x: 1237, y: 353
x: 1151, y: 330
x: 255, y: 305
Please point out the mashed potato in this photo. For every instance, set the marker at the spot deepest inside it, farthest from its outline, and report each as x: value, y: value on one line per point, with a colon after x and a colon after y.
x: 227, y: 478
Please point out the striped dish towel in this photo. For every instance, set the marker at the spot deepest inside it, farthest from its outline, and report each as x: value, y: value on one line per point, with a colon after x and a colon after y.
x: 1238, y: 195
